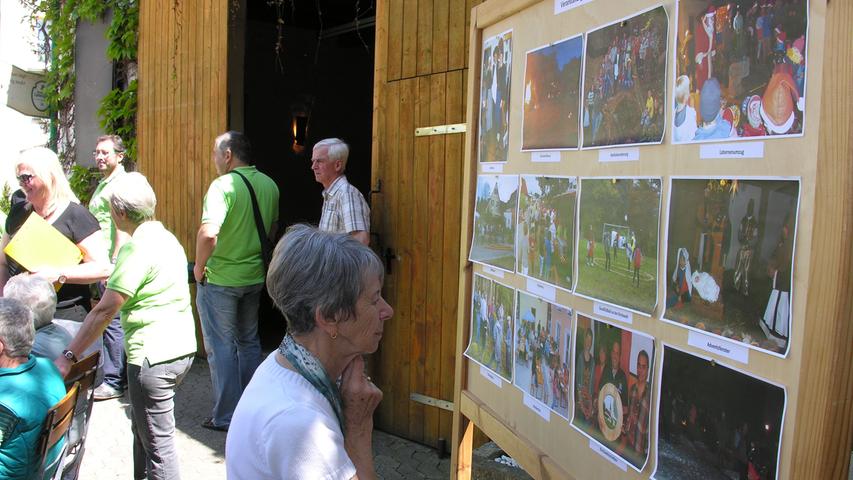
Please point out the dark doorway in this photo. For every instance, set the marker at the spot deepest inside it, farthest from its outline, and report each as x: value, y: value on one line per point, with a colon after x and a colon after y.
x: 314, y: 61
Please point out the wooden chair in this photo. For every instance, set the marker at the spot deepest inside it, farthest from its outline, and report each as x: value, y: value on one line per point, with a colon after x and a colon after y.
x: 55, y: 428
x: 82, y: 372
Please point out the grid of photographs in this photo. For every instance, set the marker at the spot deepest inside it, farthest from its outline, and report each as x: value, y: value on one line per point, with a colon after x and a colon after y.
x: 492, y: 324
x: 496, y: 73
x: 495, y: 221
x: 543, y: 342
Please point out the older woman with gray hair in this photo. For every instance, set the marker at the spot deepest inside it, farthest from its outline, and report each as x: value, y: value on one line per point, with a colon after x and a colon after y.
x: 308, y: 411
x: 38, y: 294
x: 149, y: 286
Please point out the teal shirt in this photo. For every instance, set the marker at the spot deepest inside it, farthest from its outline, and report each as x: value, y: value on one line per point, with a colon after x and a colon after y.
x: 151, y: 269
x: 27, y: 392
x: 236, y: 259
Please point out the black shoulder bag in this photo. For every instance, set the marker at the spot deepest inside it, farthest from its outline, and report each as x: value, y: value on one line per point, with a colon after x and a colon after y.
x: 266, y: 244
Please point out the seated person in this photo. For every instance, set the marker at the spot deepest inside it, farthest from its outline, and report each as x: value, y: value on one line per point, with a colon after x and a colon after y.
x: 38, y: 294
x: 29, y: 387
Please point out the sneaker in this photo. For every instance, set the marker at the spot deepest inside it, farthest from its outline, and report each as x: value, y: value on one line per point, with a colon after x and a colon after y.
x: 208, y: 424
x: 106, y: 392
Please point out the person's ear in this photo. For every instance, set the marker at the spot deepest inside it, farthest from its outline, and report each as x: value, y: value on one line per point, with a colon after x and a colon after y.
x: 328, y: 325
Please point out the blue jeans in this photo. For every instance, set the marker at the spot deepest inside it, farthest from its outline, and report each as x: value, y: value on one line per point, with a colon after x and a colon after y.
x: 229, y: 325
x: 114, y: 358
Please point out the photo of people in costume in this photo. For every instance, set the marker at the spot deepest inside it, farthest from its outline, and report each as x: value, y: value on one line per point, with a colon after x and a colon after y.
x: 546, y: 229
x: 552, y: 83
x: 740, y: 69
x: 612, y: 390
x: 542, y: 351
x: 492, y: 324
x: 495, y: 75
x: 495, y: 221
x: 716, y: 422
x: 618, y: 241
x: 625, y: 81
x: 729, y: 260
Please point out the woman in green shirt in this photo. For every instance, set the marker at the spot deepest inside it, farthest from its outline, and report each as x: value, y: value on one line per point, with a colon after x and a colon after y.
x: 149, y: 286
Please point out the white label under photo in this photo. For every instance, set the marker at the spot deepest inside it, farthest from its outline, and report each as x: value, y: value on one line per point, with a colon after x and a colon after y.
x: 613, y: 313
x: 608, y: 455
x: 538, y: 407
x: 724, y: 348
x: 491, y: 376
x: 493, y: 167
x: 495, y: 272
x: 561, y: 6
x: 732, y: 150
x: 619, y: 155
x: 548, y: 292
x: 545, y: 157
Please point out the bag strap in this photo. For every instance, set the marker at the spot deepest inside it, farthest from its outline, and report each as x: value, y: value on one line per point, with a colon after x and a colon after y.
x: 259, y: 222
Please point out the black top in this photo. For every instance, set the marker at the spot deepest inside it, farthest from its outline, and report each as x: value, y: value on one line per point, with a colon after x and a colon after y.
x: 76, y: 223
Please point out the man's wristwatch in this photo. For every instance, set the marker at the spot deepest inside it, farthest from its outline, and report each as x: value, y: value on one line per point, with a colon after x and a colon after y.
x: 69, y: 355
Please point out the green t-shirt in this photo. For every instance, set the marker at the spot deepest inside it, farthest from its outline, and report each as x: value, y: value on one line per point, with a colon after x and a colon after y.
x: 236, y: 259
x: 157, y: 319
x: 99, y: 206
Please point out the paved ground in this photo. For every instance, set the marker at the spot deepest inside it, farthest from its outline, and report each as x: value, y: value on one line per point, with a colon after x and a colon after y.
x: 202, y: 452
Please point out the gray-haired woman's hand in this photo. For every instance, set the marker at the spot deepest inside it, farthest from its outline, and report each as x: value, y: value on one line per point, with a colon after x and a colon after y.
x: 360, y: 398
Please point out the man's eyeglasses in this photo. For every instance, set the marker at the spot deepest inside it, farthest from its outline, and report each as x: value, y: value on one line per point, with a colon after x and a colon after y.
x: 101, y: 152
x: 25, y: 178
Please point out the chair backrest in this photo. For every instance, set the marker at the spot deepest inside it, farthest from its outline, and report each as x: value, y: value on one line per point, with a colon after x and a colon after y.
x: 84, y: 372
x: 54, y: 429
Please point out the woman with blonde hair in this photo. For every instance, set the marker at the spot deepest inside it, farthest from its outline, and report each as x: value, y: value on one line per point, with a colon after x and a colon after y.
x: 48, y: 194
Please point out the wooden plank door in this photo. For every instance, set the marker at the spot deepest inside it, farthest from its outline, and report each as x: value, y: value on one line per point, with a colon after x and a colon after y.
x: 421, y: 73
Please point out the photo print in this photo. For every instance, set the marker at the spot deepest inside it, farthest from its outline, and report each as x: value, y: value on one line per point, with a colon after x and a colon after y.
x: 495, y: 210
x: 618, y: 241
x: 492, y: 324
x: 552, y: 83
x: 624, y: 81
x: 729, y: 258
x: 740, y: 70
x: 542, y: 351
x: 716, y: 422
x: 613, y: 392
x: 546, y: 228
x: 495, y: 75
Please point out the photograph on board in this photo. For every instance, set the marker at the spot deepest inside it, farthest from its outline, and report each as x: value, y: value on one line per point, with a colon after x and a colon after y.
x: 624, y: 81
x: 492, y: 324
x: 495, y: 212
x: 543, y: 334
x: 618, y: 241
x: 613, y: 393
x: 552, y: 83
x: 716, y: 422
x: 495, y: 75
x: 730, y: 258
x: 546, y: 228
x: 740, y: 70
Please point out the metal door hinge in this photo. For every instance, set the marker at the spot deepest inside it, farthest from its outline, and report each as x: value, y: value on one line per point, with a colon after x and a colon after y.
x: 440, y: 130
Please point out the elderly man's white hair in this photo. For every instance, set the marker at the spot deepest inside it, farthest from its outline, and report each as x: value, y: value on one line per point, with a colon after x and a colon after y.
x: 36, y: 293
x: 337, y: 150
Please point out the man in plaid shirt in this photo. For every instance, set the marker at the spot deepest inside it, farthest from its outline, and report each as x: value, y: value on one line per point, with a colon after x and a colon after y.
x: 344, y: 208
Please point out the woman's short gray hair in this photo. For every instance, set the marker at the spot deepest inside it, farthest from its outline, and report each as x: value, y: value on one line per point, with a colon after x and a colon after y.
x: 36, y: 293
x: 314, y: 271
x: 133, y: 195
x: 16, y: 328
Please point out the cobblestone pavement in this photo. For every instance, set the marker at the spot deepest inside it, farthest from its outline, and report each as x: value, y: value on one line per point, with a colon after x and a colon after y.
x: 202, y: 452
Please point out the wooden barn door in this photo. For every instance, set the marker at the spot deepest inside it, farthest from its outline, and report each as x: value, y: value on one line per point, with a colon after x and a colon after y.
x: 420, y: 80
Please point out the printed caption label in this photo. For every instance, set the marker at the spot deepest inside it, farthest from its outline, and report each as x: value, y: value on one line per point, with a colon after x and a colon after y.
x: 608, y: 455
x: 493, y: 271
x: 619, y: 155
x: 545, y: 157
x: 561, y: 6
x: 724, y: 348
x: 538, y: 407
x: 548, y: 292
x: 732, y: 150
x: 491, y: 376
x: 493, y: 167
x: 613, y: 313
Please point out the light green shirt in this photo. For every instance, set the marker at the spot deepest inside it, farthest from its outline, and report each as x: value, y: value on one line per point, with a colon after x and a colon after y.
x: 236, y: 259
x: 157, y: 318
x: 99, y: 206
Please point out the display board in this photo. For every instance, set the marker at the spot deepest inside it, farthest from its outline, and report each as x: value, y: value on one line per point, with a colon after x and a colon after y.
x: 642, y: 191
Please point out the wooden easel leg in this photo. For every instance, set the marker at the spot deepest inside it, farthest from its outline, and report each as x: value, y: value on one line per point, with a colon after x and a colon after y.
x: 461, y: 456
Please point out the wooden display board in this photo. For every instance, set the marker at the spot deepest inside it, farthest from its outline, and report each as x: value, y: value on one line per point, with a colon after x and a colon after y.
x: 814, y: 370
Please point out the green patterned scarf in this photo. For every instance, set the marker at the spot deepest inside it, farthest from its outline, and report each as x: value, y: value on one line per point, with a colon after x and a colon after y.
x: 307, y: 365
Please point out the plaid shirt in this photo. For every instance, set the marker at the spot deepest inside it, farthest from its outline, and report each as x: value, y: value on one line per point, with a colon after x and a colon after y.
x: 344, y: 208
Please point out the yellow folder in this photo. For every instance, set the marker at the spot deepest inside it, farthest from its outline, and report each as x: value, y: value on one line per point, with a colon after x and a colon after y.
x: 37, y: 244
